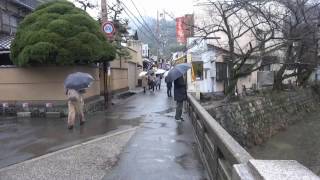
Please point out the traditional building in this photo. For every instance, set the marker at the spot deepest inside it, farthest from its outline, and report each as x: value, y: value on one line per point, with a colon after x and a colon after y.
x: 11, y: 13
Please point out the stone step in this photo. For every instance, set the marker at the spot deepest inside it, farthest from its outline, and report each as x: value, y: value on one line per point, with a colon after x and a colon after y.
x: 23, y: 114
x: 53, y: 114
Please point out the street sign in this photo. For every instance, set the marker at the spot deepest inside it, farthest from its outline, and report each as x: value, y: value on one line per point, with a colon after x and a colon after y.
x: 108, y: 29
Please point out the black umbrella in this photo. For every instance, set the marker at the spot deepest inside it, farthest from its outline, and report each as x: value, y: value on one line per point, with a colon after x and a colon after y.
x: 78, y: 81
x: 178, y: 71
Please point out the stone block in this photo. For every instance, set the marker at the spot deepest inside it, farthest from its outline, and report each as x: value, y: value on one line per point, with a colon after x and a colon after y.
x: 272, y: 170
x: 23, y: 114
x: 53, y: 115
x: 281, y: 169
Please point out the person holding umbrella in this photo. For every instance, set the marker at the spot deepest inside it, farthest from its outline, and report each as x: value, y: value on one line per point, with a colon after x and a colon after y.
x: 176, y: 74
x: 75, y: 107
x: 158, y: 81
x: 169, y: 86
x: 152, y: 81
x: 75, y: 85
x: 144, y: 78
x: 180, y: 95
x: 144, y: 83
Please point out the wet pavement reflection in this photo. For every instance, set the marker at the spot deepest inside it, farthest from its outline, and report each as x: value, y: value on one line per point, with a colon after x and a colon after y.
x: 162, y: 148
x: 26, y: 138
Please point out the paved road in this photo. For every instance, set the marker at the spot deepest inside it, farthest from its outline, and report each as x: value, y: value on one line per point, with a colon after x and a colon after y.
x: 85, y: 161
x: 23, y: 139
x: 162, y: 149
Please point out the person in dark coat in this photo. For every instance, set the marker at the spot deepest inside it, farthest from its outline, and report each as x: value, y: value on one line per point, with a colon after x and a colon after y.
x: 180, y: 95
x: 169, y: 86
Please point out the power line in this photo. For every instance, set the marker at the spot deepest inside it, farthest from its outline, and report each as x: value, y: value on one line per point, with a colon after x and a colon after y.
x: 146, y: 34
x: 141, y: 30
x: 128, y: 10
x: 141, y: 16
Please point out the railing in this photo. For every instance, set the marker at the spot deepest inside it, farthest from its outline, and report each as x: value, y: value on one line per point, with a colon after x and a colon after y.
x: 217, y: 148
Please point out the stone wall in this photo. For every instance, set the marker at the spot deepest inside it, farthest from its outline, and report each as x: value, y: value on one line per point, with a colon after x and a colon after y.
x: 42, y: 109
x: 255, y: 119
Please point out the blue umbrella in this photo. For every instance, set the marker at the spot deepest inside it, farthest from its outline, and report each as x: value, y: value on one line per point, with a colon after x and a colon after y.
x: 178, y: 71
x: 78, y: 81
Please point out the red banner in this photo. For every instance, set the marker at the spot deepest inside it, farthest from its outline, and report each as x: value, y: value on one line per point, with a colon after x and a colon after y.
x: 184, y: 28
x: 180, y: 30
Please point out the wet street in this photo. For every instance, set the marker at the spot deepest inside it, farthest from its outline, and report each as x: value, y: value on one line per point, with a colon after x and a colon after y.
x: 161, y: 148
x: 23, y: 139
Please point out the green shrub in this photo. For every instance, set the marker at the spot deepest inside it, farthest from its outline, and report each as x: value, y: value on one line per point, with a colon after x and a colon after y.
x: 59, y: 33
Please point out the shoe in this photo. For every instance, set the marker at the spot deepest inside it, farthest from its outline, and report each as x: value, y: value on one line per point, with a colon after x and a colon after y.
x: 82, y: 122
x: 179, y: 119
x: 70, y: 126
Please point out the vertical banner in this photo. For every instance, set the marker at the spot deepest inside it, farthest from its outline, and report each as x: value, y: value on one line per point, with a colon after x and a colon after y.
x: 180, y: 30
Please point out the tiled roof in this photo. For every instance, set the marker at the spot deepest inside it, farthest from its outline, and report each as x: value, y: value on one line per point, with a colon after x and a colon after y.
x: 30, y: 4
x: 5, y: 42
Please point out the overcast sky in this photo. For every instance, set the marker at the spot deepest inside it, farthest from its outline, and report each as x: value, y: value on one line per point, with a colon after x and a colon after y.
x: 149, y: 7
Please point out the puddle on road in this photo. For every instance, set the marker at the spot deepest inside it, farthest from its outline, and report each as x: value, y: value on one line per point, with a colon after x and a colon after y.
x: 183, y: 160
x: 126, y: 95
x: 179, y: 129
x: 129, y: 107
x: 172, y: 109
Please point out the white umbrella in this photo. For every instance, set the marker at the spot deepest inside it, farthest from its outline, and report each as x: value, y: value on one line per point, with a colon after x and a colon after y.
x: 160, y: 71
x: 143, y: 73
x: 166, y: 73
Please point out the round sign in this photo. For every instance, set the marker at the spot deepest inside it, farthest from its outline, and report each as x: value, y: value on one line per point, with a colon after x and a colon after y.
x: 108, y: 28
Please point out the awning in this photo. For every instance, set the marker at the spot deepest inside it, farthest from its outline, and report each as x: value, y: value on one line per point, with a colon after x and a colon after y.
x: 180, y: 60
x: 5, y: 42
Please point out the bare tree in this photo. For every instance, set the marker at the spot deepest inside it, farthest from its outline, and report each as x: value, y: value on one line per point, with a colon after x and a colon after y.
x: 115, y: 11
x: 246, y: 31
x: 86, y: 4
x: 299, y: 27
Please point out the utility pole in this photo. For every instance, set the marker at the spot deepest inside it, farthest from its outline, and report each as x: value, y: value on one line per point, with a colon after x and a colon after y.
x: 158, y: 37
x: 105, y: 66
x: 104, y: 11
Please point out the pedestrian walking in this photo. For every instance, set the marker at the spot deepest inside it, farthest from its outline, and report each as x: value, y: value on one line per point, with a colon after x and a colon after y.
x: 180, y: 95
x: 169, y: 86
x: 144, y: 83
x: 158, y: 81
x: 152, y: 81
x: 75, y: 107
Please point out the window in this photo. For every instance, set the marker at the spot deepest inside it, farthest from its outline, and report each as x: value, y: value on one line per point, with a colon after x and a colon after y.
x: 206, y: 74
x: 197, y: 68
x: 267, y: 61
x: 13, y: 23
x: 5, y: 19
x: 221, y: 70
x: 9, y: 23
x: 266, y: 67
x: 246, y: 67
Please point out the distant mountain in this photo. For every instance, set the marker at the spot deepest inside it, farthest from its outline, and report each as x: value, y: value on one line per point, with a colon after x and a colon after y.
x: 166, y: 36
